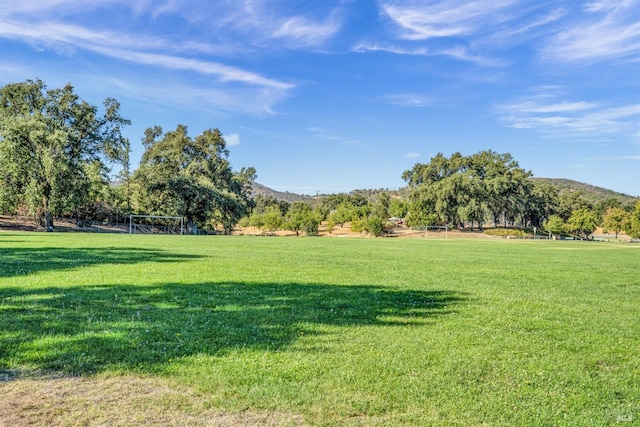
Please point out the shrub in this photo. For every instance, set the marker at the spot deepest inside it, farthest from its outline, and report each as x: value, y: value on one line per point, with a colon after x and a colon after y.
x: 374, y: 225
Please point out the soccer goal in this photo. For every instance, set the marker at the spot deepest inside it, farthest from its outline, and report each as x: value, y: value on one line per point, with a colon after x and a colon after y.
x: 156, y: 224
x: 437, y: 231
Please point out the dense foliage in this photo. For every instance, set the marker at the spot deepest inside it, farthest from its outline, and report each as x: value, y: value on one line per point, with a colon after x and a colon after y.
x: 55, y: 153
x: 54, y: 148
x: 192, y: 178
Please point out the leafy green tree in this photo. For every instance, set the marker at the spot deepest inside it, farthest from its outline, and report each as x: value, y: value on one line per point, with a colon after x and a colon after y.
x: 505, y: 185
x: 582, y: 222
x: 343, y: 213
x: 568, y: 202
x: 261, y: 203
x: 616, y: 220
x: 382, y: 205
x: 601, y: 207
x: 47, y: 139
x: 302, y: 217
x: 472, y: 211
x: 555, y: 225
x: 541, y: 203
x: 466, y: 187
x: 272, y: 218
x: 255, y: 220
x: 398, y: 208
x: 374, y: 225
x: 192, y: 177
x: 97, y: 199
x: 633, y: 227
x: 332, y: 201
x: 421, y: 209
x: 438, y: 168
x: 471, y: 200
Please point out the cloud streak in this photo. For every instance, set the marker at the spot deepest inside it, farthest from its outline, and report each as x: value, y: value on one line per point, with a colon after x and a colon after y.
x: 578, y: 118
x: 110, y: 44
x: 448, y: 18
x: 301, y: 31
x: 408, y: 100
x: 605, y: 31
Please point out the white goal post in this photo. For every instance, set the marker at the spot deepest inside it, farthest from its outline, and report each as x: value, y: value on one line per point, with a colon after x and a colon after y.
x: 434, y: 228
x: 154, y: 228
x: 437, y: 227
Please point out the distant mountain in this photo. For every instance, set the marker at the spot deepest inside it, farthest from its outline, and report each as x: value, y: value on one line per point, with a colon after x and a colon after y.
x: 260, y: 190
x: 369, y: 194
x: 590, y: 192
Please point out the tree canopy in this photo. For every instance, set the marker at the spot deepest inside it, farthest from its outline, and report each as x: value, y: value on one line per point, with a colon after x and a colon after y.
x: 466, y: 188
x: 616, y: 220
x: 49, y: 141
x: 191, y: 177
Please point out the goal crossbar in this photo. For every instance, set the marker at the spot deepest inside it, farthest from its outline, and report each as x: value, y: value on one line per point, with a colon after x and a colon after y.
x: 152, y: 217
x: 439, y: 228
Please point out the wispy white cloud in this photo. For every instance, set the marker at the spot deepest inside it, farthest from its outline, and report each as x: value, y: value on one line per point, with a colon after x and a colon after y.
x: 327, y: 135
x: 632, y: 157
x: 460, y: 53
x: 422, y: 20
x: 47, y: 8
x: 606, y: 31
x: 159, y: 53
x: 408, y: 100
x: 182, y: 94
x: 561, y: 107
x: 412, y: 155
x: 53, y: 34
x: 472, y: 31
x: 266, y: 24
x: 232, y: 139
x: 223, y: 72
x: 577, y: 118
x: 363, y: 47
x: 519, y: 32
x: 110, y: 44
x: 301, y: 31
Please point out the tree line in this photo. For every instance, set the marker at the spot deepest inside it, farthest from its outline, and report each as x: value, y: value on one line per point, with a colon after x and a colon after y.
x: 459, y: 192
x: 57, y: 154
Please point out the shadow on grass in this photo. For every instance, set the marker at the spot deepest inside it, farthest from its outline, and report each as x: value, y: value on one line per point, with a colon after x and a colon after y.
x: 85, y: 330
x: 23, y: 261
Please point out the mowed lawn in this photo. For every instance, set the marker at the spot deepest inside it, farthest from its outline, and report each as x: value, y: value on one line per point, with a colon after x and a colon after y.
x: 129, y: 330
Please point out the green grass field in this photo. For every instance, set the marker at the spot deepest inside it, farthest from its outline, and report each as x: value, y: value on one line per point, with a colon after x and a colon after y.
x: 330, y: 331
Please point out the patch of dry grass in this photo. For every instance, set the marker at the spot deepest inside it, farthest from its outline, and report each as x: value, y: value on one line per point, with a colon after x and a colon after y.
x: 119, y: 401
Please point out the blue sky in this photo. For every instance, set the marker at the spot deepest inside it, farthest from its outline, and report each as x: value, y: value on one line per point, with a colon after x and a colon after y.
x: 330, y: 96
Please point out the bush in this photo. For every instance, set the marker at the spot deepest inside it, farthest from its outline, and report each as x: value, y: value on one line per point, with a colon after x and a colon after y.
x: 244, y: 222
x: 310, y: 224
x: 375, y: 226
x: 358, y: 225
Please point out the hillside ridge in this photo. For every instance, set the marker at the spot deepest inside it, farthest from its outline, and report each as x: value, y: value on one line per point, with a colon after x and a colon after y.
x: 591, y: 192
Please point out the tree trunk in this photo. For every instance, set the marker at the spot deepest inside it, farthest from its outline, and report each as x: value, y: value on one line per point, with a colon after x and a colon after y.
x: 48, y: 218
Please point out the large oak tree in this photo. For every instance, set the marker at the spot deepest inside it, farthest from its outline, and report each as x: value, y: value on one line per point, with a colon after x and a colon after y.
x: 191, y: 177
x: 468, y: 188
x: 49, y: 141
